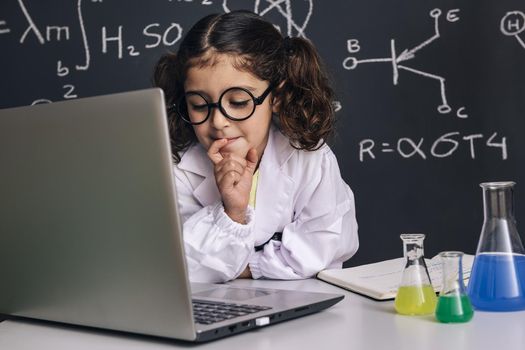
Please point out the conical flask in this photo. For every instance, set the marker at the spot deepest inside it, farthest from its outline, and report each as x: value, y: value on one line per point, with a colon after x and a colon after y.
x: 415, y: 295
x: 497, y: 280
x: 453, y: 305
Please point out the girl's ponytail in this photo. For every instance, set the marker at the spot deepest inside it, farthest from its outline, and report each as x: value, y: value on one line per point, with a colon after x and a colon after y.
x: 306, y: 113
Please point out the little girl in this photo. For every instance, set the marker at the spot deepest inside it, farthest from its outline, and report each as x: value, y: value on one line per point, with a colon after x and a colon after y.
x: 260, y: 193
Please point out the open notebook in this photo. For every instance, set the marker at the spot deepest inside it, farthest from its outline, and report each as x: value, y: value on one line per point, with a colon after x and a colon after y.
x: 380, y: 280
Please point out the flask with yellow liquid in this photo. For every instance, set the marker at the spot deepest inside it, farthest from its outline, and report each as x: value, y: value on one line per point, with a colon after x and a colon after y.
x: 415, y: 295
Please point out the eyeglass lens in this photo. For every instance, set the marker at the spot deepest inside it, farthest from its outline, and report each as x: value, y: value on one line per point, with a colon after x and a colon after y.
x: 236, y: 103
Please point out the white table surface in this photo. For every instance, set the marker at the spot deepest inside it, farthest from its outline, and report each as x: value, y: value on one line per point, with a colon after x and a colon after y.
x: 354, y: 323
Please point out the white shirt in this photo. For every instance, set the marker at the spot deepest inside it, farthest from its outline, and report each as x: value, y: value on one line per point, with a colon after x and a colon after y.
x: 300, y: 193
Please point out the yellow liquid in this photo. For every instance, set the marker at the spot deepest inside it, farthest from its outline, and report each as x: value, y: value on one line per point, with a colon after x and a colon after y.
x: 415, y: 300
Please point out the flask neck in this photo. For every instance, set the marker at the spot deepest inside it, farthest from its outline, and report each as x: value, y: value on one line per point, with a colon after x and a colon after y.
x: 498, y: 203
x: 413, y: 248
x: 413, y: 251
x: 415, y: 272
x: 499, y: 233
x: 452, y: 271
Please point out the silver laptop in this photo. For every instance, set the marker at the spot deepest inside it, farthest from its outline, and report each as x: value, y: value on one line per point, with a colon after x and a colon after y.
x: 90, y: 232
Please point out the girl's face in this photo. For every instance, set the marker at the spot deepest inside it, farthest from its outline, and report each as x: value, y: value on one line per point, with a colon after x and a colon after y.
x: 211, y: 82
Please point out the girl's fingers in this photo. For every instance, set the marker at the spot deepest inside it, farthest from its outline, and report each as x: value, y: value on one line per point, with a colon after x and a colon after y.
x: 252, y: 159
x: 213, y: 151
x: 232, y: 170
x: 226, y: 165
x: 235, y: 158
x: 228, y: 181
x: 220, y: 174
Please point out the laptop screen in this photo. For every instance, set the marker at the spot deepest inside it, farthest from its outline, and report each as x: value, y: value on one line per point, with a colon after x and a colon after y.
x: 90, y: 231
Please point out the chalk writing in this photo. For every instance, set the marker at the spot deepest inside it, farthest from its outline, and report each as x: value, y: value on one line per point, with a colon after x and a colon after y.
x: 32, y: 27
x: 203, y: 2
x: 112, y: 40
x: 512, y: 24
x: 337, y: 106
x: 117, y: 40
x: 353, y: 46
x: 85, y: 66
x: 4, y: 30
x: 443, y: 146
x: 285, y: 9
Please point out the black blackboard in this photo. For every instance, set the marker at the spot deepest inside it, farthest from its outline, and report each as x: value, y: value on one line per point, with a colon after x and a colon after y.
x: 430, y: 94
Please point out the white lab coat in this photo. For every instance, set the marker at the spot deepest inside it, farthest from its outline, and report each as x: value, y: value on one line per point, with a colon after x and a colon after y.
x: 299, y: 193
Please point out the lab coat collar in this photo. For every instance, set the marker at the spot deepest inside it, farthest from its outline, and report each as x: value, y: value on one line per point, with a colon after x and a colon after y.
x: 195, y: 160
x: 278, y: 150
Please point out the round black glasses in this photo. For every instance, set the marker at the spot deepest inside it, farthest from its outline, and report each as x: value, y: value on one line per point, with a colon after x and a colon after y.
x: 235, y: 103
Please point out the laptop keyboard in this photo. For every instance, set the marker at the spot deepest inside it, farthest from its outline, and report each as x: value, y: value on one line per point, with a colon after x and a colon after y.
x: 208, y: 312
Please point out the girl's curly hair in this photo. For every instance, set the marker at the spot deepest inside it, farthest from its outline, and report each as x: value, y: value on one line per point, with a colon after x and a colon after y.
x: 303, y: 93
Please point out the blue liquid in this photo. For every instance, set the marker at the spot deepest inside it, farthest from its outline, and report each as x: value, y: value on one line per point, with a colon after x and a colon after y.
x: 497, y: 282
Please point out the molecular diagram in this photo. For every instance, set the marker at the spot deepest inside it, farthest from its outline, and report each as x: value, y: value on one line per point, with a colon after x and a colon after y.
x: 284, y: 8
x: 512, y: 24
x: 396, y: 60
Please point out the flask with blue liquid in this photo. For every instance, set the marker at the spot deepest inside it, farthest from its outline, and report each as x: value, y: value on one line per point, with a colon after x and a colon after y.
x: 497, y: 279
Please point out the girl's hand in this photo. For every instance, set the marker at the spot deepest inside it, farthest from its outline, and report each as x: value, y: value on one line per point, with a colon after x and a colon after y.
x: 233, y: 175
x: 247, y: 273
